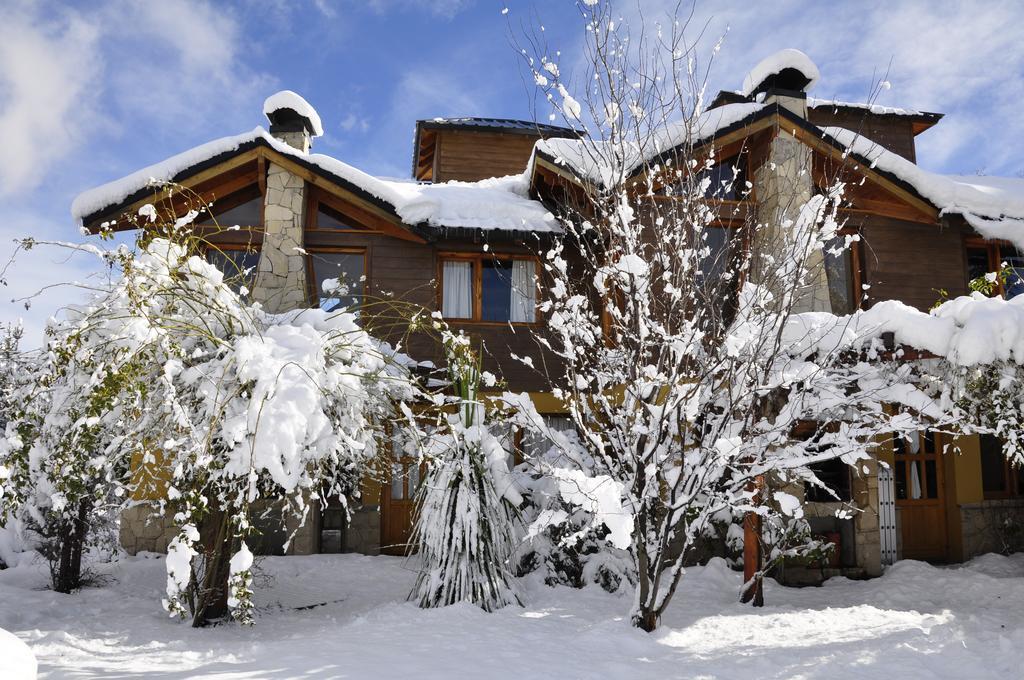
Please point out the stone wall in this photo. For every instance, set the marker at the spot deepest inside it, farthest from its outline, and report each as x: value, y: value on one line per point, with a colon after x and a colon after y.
x: 143, y: 528
x: 992, y: 526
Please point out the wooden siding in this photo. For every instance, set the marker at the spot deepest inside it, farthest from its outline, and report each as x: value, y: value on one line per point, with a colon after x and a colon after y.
x: 911, y: 262
x: 893, y: 132
x: 470, y: 156
x: 405, y: 271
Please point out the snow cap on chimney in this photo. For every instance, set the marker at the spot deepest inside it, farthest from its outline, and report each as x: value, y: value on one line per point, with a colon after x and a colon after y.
x: 292, y: 119
x: 788, y: 70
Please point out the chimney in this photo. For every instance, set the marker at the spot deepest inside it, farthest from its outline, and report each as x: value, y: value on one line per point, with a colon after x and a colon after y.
x: 292, y: 119
x: 782, y: 78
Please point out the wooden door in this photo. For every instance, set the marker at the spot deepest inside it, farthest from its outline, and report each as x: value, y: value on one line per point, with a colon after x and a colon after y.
x: 920, y: 497
x: 398, y: 505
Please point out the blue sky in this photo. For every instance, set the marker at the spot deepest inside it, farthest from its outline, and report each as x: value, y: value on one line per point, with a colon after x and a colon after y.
x: 92, y: 90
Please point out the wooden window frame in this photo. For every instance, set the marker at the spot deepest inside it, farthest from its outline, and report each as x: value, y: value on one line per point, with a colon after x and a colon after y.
x: 922, y: 457
x: 477, y: 260
x: 1013, y: 481
x: 312, y: 251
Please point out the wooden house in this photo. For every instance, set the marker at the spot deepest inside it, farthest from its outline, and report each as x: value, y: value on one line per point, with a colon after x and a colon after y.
x: 462, y: 236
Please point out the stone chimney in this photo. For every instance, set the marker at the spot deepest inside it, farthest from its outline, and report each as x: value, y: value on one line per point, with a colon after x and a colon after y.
x: 281, y: 275
x: 292, y: 119
x: 784, y: 182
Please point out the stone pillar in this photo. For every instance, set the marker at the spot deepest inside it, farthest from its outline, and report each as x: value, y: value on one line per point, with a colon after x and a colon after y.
x: 867, y: 529
x: 281, y: 276
x: 783, y: 186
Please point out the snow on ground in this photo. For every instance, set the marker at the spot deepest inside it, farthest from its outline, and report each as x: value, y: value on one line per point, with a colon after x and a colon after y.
x: 344, y: 616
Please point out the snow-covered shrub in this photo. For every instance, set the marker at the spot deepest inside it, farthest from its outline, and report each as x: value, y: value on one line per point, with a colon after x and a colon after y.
x: 466, y: 512
x: 167, y: 370
x: 563, y: 542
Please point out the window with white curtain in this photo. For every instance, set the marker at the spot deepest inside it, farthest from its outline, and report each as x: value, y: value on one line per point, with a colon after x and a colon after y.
x: 489, y: 288
x: 457, y: 289
x: 523, y: 291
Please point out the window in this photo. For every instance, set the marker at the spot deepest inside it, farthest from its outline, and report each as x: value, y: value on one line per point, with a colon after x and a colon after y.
x: 916, y: 468
x: 727, y: 181
x: 237, y: 264
x: 834, y: 474
x: 489, y: 288
x: 346, y: 273
x: 242, y: 208
x: 328, y: 218
x: 985, y: 257
x: 840, y: 267
x: 999, y: 478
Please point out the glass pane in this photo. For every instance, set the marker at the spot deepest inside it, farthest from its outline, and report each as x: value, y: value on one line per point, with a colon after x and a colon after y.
x: 496, y: 294
x: 347, y: 269
x: 246, y: 214
x: 929, y: 441
x: 457, y: 290
x: 238, y: 266
x: 977, y: 263
x: 901, y: 480
x: 1015, y: 283
x: 932, y: 479
x: 899, y: 444
x: 915, y: 479
x: 993, y: 465
x: 413, y: 473
x: 834, y: 474
x: 327, y: 218
x: 725, y: 182
x: 839, y: 272
x: 397, y: 482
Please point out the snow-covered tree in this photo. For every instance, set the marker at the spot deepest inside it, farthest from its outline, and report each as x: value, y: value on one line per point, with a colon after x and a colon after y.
x: 688, y: 363
x: 169, y: 384
x: 466, y: 513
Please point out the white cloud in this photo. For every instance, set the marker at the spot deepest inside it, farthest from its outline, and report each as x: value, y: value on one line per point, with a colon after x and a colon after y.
x: 48, y: 69
x: 445, y: 8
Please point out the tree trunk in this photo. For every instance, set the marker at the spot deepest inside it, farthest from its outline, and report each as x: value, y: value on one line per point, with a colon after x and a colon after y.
x: 72, y: 542
x: 212, y: 602
x: 753, y: 554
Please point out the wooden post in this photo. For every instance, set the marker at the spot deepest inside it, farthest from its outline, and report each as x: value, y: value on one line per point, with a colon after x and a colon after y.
x: 753, y: 555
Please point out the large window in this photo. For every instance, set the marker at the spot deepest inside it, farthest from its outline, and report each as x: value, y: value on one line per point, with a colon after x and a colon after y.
x: 238, y: 265
x: 726, y: 180
x: 344, y: 272
x: 988, y: 257
x: 999, y: 478
x: 489, y: 288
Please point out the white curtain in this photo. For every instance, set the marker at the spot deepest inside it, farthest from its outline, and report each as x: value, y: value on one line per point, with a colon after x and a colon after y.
x: 457, y: 290
x: 524, y: 291
x: 915, y: 481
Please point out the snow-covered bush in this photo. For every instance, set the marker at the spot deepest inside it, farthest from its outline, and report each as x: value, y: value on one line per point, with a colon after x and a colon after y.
x: 466, y: 512
x: 168, y: 384
x: 563, y: 542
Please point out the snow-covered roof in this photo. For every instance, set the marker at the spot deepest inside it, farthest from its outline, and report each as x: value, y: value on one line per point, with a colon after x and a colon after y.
x: 774, y: 64
x: 877, y: 109
x: 491, y: 204
x: 286, y: 99
x: 994, y: 206
x: 600, y: 162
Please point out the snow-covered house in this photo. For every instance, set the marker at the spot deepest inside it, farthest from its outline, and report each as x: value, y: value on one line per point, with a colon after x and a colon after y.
x: 461, y: 235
